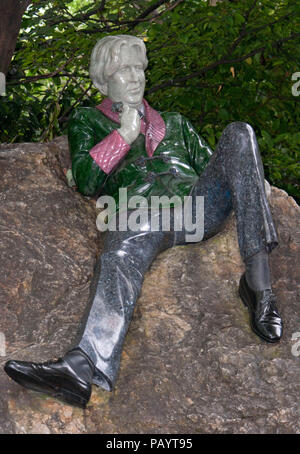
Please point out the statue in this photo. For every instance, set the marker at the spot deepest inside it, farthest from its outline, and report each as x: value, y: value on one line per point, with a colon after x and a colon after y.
x: 125, y: 143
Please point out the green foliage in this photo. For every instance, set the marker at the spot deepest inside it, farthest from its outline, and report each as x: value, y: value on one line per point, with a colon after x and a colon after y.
x: 232, y: 62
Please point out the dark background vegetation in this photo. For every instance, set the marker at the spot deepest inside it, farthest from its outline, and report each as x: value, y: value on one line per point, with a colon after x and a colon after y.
x: 213, y: 63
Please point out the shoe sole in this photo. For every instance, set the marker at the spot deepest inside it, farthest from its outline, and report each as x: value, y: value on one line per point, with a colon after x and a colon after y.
x: 244, y: 297
x: 60, y: 393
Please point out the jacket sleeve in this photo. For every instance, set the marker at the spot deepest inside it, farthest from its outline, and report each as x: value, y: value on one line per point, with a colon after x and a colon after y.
x: 198, y: 150
x: 88, y: 176
x: 110, y: 151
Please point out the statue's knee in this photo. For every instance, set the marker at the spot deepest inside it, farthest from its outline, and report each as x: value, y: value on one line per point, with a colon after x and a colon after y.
x: 240, y: 128
x: 241, y: 140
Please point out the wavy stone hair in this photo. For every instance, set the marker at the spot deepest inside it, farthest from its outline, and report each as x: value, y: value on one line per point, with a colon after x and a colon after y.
x: 106, y: 55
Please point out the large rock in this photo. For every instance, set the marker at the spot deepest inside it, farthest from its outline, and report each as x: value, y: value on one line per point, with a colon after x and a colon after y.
x: 191, y: 364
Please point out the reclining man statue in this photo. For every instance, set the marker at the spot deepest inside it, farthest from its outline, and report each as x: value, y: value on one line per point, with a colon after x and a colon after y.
x: 125, y: 143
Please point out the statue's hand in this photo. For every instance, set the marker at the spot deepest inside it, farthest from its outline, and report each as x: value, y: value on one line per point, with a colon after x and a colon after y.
x: 130, y: 124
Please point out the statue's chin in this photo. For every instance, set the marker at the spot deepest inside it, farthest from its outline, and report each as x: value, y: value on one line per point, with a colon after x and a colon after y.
x: 134, y: 101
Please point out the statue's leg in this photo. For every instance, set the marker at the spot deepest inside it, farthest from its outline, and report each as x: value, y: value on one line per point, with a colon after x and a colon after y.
x: 234, y: 178
x: 115, y: 288
x: 96, y: 354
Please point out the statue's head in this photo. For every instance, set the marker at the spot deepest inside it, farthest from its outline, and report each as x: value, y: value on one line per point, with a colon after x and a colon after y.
x: 117, y: 68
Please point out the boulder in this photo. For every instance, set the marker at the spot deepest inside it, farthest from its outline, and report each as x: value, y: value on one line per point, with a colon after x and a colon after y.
x: 191, y: 363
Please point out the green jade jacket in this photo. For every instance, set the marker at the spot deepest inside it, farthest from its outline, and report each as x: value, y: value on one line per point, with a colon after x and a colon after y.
x: 167, y: 157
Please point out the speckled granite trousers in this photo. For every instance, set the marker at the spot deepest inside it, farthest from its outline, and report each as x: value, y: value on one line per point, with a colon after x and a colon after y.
x: 233, y: 179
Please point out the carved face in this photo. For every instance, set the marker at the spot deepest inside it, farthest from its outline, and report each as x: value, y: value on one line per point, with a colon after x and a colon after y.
x: 127, y: 84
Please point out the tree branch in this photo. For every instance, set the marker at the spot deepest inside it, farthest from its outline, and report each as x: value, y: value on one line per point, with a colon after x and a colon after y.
x: 147, y: 12
x: 132, y: 23
x: 43, y: 76
x: 78, y: 18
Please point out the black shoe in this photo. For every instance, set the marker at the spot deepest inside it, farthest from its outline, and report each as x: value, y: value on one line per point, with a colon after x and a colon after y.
x: 264, y: 318
x: 69, y: 378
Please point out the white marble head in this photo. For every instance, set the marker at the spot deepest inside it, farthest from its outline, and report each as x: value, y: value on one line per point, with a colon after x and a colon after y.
x: 117, y: 68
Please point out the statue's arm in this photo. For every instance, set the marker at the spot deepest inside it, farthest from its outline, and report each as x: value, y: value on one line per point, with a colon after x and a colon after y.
x: 198, y: 150
x: 88, y: 176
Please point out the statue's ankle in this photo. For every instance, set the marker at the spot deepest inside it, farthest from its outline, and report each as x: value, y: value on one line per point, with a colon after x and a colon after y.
x: 258, y: 271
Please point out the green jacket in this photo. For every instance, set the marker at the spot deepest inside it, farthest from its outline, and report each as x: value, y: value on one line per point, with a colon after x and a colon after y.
x: 173, y: 169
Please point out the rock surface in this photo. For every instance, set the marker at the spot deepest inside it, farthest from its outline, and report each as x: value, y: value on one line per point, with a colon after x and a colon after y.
x: 190, y: 364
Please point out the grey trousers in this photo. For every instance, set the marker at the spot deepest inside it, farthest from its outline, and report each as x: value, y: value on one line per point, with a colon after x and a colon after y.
x: 232, y: 180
